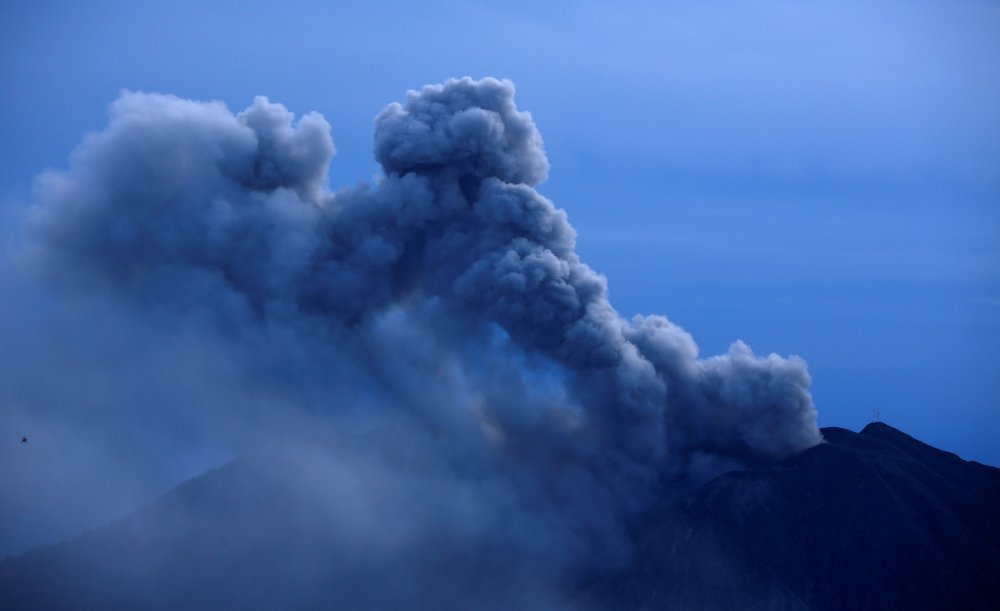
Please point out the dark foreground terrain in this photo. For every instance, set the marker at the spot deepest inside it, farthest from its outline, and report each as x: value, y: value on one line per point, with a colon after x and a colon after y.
x: 869, y: 520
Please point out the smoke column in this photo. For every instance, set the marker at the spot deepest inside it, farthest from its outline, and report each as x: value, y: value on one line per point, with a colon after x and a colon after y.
x: 184, y: 209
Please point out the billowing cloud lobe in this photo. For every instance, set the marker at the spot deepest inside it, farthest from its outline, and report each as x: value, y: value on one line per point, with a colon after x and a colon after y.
x: 451, y: 282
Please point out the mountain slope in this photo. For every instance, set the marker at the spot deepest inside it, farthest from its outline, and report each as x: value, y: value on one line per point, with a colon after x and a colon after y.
x: 869, y: 520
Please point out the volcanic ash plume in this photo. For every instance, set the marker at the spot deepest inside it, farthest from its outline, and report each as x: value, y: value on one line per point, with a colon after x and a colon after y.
x: 183, y: 207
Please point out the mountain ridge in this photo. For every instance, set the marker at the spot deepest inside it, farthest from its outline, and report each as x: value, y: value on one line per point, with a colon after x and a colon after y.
x: 869, y: 520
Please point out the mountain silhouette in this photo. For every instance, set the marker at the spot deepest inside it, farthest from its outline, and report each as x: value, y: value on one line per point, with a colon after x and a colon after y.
x: 869, y: 520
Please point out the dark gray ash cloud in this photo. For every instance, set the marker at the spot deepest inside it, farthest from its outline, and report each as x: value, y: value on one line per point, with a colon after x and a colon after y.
x: 446, y: 301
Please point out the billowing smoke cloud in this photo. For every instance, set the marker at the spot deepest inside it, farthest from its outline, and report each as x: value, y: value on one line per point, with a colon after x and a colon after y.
x: 446, y: 299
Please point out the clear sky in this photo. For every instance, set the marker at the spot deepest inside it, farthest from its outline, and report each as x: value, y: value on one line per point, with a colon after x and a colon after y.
x: 820, y: 180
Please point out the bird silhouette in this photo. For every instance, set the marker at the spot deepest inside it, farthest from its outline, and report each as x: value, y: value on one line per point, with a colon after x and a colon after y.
x: 24, y: 440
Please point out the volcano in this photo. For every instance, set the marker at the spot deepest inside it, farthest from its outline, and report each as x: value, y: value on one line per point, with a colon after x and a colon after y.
x: 868, y: 520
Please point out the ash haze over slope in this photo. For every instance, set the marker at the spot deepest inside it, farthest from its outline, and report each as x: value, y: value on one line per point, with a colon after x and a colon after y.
x: 441, y: 316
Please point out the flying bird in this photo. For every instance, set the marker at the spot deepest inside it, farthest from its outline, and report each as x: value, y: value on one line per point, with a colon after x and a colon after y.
x: 24, y: 440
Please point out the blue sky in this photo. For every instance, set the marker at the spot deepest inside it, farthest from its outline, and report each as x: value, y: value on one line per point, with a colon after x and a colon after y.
x: 815, y: 180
